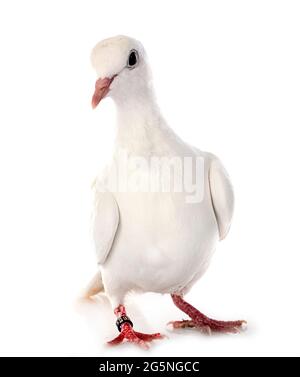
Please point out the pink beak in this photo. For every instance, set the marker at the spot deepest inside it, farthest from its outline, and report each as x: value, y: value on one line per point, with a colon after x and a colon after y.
x: 101, y: 90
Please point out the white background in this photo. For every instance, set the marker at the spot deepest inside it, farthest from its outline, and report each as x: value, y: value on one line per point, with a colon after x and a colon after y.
x: 228, y: 80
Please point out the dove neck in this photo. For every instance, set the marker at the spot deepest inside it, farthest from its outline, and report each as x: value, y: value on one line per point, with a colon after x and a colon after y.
x: 140, y: 123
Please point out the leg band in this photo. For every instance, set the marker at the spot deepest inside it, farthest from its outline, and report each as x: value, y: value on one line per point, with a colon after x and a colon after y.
x: 121, y: 320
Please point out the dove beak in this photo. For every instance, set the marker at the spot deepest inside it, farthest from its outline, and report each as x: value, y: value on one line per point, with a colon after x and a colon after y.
x: 101, y: 89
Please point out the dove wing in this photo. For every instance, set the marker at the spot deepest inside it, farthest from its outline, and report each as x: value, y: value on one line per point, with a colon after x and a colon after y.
x: 105, y: 223
x: 222, y: 196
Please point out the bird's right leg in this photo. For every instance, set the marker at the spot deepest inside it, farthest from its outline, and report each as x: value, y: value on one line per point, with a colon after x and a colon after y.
x: 125, y: 327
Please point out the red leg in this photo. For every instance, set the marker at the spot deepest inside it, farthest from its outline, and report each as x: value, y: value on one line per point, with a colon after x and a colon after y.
x: 127, y: 332
x: 200, y: 321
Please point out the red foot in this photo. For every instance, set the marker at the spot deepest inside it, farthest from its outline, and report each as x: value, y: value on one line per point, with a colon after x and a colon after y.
x: 127, y: 333
x: 202, y: 322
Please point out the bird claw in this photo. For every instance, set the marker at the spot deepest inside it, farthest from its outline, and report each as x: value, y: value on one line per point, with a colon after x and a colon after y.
x: 206, y: 330
x: 211, y: 326
x: 181, y: 324
x: 141, y: 339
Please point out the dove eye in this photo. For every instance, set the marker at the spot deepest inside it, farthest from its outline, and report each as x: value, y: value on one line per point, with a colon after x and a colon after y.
x: 133, y: 59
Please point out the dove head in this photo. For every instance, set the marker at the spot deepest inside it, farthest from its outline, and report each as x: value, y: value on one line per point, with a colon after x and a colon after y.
x: 122, y: 70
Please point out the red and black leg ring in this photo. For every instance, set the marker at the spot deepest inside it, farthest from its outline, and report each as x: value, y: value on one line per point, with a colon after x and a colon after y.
x: 121, y: 320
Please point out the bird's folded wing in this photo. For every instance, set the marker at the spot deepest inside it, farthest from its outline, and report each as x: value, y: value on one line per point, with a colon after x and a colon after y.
x: 105, y: 223
x: 222, y: 196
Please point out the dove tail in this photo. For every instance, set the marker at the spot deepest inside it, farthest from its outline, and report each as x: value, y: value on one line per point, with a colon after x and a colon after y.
x: 95, y: 286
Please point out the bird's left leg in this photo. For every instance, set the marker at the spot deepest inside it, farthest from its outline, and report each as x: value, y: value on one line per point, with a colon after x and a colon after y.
x: 125, y: 327
x: 200, y: 321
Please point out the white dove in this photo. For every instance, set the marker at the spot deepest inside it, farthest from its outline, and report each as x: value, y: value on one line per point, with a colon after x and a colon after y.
x: 161, y: 206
